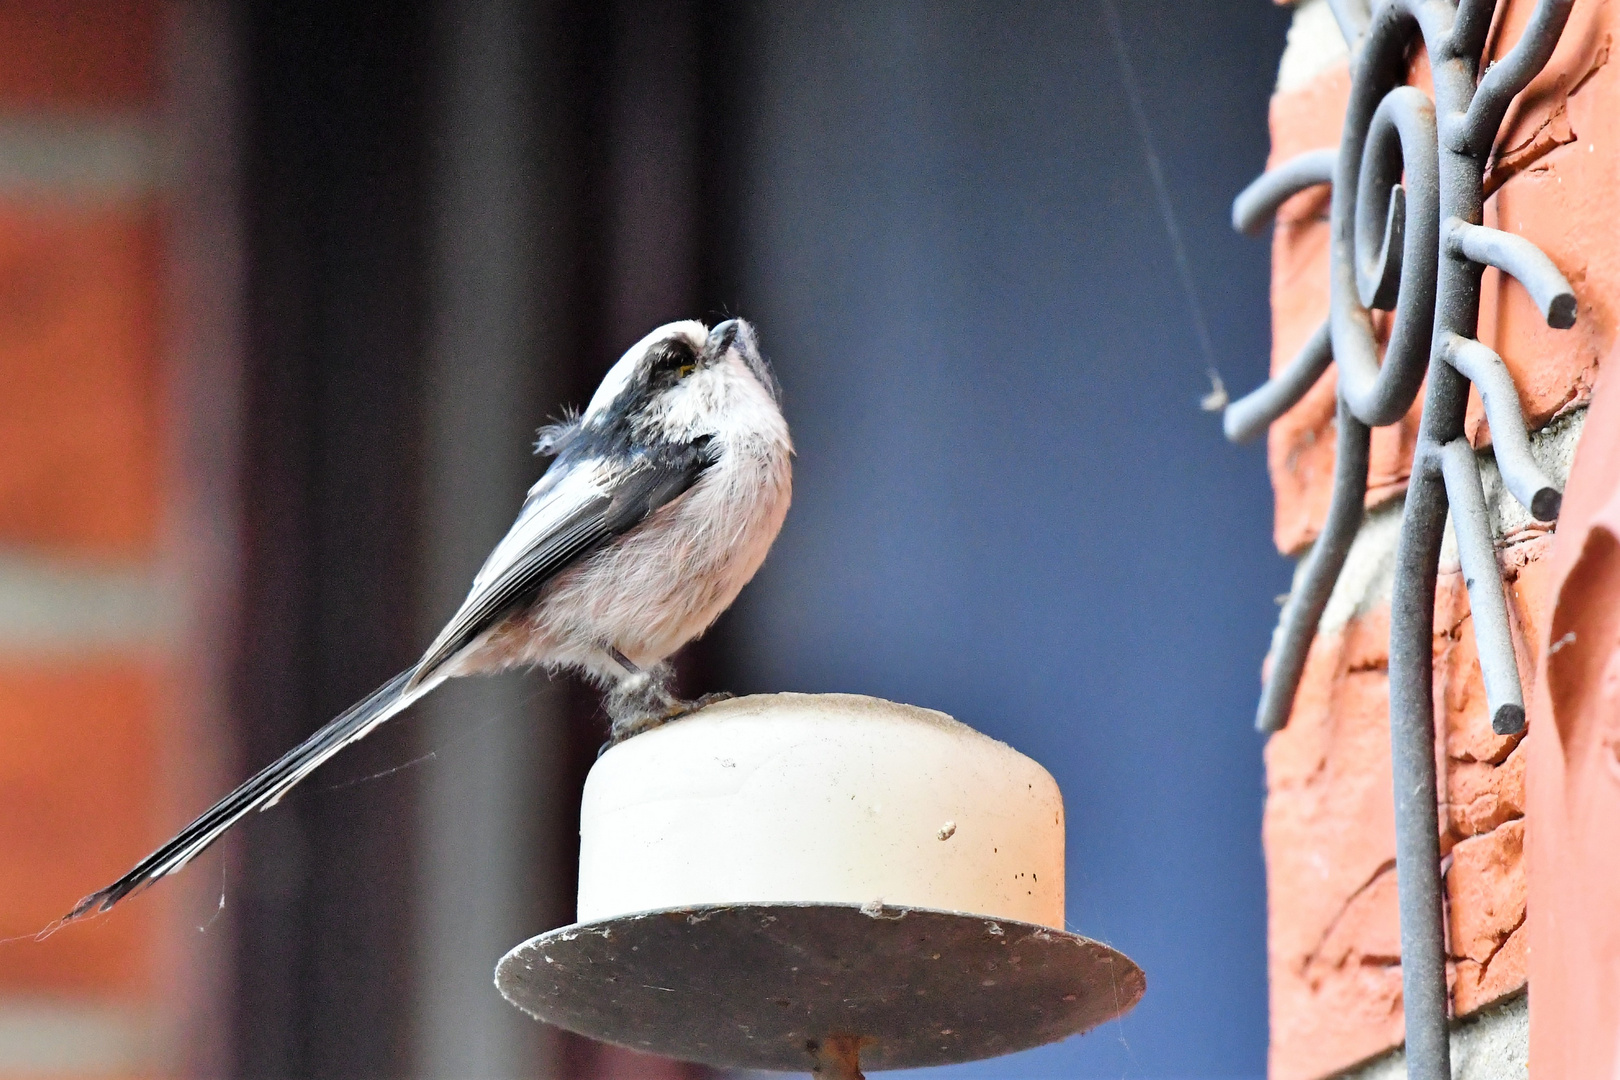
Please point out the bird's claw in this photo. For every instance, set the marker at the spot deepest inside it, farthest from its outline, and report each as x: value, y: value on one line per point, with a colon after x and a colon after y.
x: 674, y: 710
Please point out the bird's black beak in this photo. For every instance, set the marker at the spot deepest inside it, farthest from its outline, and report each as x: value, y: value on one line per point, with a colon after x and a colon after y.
x: 721, y: 338
x: 738, y: 334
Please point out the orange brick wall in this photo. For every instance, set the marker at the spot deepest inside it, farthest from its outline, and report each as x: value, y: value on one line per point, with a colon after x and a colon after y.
x: 63, y: 55
x: 1329, y: 828
x: 93, y: 683
x: 80, y: 427
x: 79, y: 734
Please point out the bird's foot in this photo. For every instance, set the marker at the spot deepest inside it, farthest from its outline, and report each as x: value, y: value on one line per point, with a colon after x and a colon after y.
x: 672, y: 708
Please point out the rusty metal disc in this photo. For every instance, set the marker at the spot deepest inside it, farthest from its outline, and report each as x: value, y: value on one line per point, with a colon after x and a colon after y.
x: 764, y: 986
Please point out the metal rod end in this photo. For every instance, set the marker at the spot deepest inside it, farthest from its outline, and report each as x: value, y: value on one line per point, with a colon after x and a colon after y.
x: 1561, y: 311
x: 1509, y: 720
x: 1235, y: 429
x: 1545, y: 504
x: 1265, y: 722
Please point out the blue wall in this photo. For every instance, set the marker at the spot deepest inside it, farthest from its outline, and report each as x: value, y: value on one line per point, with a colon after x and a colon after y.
x: 1008, y: 505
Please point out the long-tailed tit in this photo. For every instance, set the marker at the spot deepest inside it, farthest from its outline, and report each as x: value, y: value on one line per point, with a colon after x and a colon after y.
x: 660, y: 503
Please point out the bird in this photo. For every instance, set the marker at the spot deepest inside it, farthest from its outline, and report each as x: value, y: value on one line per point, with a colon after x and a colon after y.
x: 660, y: 502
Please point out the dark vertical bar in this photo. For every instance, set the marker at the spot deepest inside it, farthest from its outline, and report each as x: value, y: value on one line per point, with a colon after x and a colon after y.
x: 333, y: 182
x: 652, y: 168
x: 726, y: 85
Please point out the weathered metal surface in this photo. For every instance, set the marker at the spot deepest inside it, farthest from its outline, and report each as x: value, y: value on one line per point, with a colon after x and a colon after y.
x: 764, y: 986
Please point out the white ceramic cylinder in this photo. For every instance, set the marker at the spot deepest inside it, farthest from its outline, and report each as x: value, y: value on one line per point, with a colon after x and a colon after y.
x: 828, y: 798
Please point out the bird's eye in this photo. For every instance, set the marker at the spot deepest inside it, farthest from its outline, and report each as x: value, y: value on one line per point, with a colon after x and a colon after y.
x: 673, y: 361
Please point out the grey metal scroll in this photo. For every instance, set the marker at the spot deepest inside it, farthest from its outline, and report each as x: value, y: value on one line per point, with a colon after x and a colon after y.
x: 1408, y: 237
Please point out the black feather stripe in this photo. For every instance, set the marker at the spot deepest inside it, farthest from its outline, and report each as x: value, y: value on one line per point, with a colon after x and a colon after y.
x: 659, y: 477
x: 580, y: 532
x: 267, y: 784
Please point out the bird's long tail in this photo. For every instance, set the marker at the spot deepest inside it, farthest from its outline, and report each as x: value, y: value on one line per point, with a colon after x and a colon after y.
x: 263, y: 791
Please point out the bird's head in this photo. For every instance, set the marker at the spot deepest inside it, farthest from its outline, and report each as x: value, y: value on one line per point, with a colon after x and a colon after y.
x: 683, y: 380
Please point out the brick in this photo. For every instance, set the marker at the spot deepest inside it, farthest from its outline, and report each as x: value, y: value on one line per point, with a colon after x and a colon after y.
x: 1480, y: 985
x: 77, y: 797
x: 1330, y: 840
x: 1328, y: 836
x: 1485, y: 890
x: 1554, y: 165
x: 1528, y: 573
x: 80, y: 418
x: 1459, y: 686
x: 1480, y: 796
x: 1368, y: 929
x: 78, y: 54
x: 1355, y: 975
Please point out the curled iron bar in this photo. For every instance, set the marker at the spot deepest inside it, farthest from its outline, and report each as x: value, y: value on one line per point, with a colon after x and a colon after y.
x: 1524, y: 478
x: 1250, y: 415
x: 1521, y: 260
x: 1257, y: 204
x: 1473, y: 127
x: 1404, y: 165
x: 1396, y: 135
x: 1303, y: 609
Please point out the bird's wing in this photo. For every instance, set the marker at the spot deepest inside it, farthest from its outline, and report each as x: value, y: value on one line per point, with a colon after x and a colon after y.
x: 562, y: 521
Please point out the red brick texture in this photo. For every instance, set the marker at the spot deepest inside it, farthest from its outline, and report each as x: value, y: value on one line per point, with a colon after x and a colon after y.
x: 80, y: 445
x: 78, y: 54
x: 83, y: 485
x: 1329, y: 829
x: 1330, y: 836
x: 76, y: 795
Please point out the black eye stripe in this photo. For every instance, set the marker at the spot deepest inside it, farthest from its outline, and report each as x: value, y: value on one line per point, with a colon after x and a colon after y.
x: 672, y: 355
